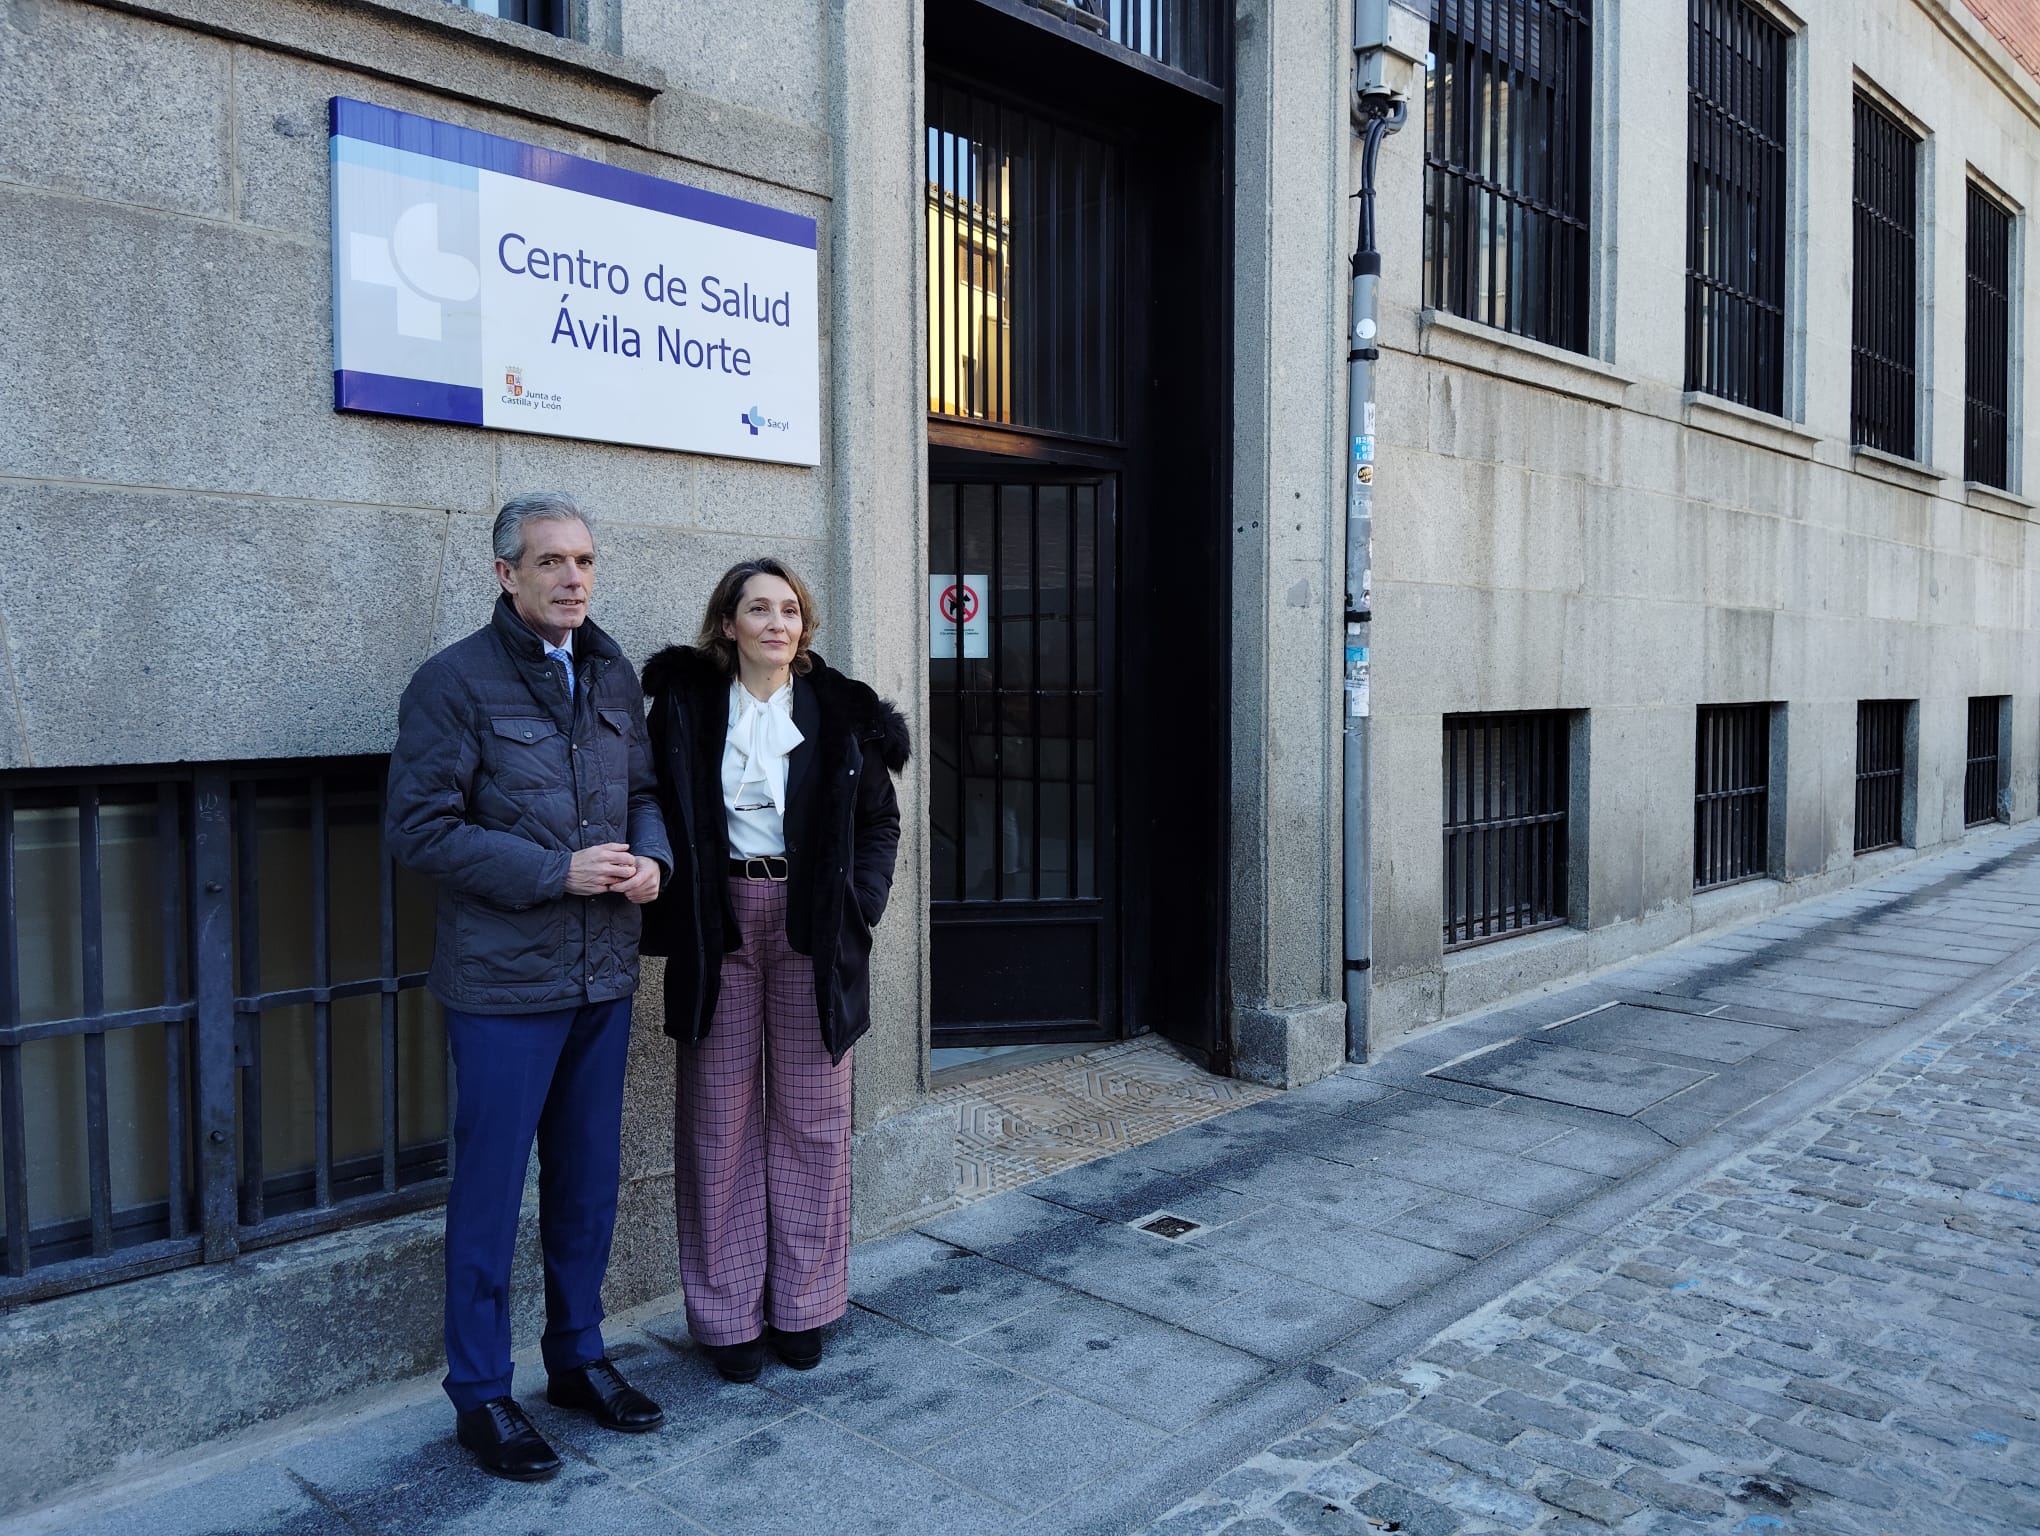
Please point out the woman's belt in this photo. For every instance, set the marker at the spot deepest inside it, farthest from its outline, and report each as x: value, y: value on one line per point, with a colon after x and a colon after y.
x: 769, y: 866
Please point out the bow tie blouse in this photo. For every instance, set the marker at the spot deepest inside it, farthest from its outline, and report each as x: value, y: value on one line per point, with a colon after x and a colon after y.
x: 761, y: 734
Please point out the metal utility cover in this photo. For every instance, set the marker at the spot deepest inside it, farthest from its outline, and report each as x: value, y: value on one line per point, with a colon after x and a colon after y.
x: 1563, y: 1074
x: 1663, y: 1029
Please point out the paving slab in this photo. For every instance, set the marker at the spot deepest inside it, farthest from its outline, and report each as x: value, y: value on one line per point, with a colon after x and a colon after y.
x: 1123, y: 1360
x: 806, y: 1474
x: 1618, y: 1085
x: 1651, y: 1029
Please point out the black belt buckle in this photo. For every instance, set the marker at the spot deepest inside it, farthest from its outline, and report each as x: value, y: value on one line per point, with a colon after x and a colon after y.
x: 760, y: 867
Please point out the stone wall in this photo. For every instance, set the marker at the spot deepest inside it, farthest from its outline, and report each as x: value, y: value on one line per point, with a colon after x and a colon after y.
x: 1574, y: 533
x: 207, y: 562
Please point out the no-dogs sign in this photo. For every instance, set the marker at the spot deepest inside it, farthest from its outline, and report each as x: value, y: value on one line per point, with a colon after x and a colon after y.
x: 956, y: 607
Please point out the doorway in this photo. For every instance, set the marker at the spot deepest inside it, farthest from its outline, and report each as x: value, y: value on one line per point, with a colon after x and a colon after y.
x: 1078, y: 341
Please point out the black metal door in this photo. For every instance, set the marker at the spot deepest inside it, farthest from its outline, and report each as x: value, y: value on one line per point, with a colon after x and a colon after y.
x: 1025, y: 942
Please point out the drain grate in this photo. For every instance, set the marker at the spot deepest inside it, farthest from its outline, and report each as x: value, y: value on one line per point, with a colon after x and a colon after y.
x: 1162, y: 1224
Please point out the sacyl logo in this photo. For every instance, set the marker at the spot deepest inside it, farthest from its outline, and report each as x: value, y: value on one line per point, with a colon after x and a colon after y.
x: 410, y: 261
x: 755, y: 418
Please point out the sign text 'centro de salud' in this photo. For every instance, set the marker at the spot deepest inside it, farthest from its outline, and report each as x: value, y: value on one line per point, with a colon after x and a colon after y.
x: 480, y: 280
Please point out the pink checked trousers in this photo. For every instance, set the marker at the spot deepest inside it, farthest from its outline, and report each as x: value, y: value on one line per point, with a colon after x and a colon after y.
x: 761, y: 1144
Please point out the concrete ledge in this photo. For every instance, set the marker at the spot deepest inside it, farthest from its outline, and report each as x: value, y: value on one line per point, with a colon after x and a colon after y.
x: 1289, y: 1047
x: 437, y: 47
x: 1486, y: 349
x: 1990, y: 498
x: 1913, y: 474
x: 1478, y: 978
x: 1735, y: 903
x: 902, y: 1170
x: 1712, y: 414
x: 110, y: 1380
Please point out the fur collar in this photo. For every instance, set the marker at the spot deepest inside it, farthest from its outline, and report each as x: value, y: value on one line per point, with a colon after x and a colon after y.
x: 847, y: 705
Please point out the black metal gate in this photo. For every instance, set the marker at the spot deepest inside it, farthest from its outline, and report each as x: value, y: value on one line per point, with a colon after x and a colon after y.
x: 1024, y: 897
x: 1880, y: 773
x: 213, y: 1029
x: 1983, y: 778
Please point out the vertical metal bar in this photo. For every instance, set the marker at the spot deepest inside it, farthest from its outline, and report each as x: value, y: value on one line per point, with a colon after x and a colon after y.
x: 1077, y: 685
x: 13, y: 1125
x: 995, y: 643
x: 92, y: 955
x: 1451, y: 792
x: 248, y: 1017
x: 212, y: 949
x: 177, y: 1096
x: 322, y: 1010
x: 386, y: 941
x: 1490, y: 837
x: 1034, y: 693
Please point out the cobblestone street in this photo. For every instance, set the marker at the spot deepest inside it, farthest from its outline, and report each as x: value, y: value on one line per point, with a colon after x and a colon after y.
x: 1838, y: 1332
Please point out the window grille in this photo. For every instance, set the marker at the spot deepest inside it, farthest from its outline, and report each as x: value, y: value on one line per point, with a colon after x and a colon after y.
x: 1883, y: 350
x: 1987, y: 389
x: 1507, y: 788
x: 1735, y: 214
x: 1983, y: 783
x: 213, y: 1029
x: 1025, y: 246
x: 1880, y: 774
x: 554, y: 16
x: 1731, y: 794
x: 1506, y: 182
x: 1182, y: 34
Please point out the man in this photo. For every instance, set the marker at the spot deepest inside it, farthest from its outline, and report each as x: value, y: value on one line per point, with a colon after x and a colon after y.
x: 522, y: 784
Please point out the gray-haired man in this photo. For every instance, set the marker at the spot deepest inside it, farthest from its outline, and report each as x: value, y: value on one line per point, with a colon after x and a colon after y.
x: 522, y: 783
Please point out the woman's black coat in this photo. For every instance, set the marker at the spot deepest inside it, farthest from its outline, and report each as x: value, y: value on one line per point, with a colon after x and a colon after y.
x: 842, y: 832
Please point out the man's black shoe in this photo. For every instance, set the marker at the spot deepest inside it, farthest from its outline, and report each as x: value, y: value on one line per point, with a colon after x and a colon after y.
x: 599, y: 1390
x: 505, y: 1442
x: 736, y: 1362
x: 801, y: 1349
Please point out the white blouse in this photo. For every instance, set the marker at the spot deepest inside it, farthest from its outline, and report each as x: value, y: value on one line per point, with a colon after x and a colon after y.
x: 761, y: 734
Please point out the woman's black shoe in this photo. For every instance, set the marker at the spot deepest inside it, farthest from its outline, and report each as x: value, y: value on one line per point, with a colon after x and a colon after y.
x: 505, y: 1442
x: 736, y: 1362
x: 801, y: 1349
x: 599, y: 1390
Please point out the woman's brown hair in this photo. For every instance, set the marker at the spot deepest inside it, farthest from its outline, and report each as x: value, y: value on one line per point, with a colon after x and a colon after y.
x: 722, y: 604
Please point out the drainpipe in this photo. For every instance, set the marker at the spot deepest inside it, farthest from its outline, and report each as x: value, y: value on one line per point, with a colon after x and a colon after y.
x: 1381, y: 32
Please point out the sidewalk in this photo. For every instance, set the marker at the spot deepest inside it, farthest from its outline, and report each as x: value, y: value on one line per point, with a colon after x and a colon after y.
x: 1038, y: 1361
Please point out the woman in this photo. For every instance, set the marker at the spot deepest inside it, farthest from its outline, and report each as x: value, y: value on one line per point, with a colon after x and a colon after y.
x: 773, y: 774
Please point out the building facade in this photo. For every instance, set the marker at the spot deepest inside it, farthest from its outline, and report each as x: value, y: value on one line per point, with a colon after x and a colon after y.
x: 1699, y: 579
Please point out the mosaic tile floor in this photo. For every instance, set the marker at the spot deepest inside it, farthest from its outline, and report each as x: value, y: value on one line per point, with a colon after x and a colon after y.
x: 1036, y: 1120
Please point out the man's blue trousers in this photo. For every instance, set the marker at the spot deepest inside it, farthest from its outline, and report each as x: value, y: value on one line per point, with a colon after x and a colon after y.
x: 557, y: 1077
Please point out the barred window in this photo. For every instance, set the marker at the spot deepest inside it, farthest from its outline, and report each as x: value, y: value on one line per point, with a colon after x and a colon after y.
x: 214, y: 1033
x: 554, y: 16
x: 1735, y: 213
x: 1507, y: 789
x: 1506, y: 183
x: 1987, y: 372
x: 1983, y: 783
x: 1731, y: 794
x: 1025, y: 249
x: 1880, y: 773
x: 1883, y: 408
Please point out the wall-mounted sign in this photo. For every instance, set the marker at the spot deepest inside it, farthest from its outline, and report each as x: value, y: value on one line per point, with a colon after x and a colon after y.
x: 480, y: 280
x: 957, y: 608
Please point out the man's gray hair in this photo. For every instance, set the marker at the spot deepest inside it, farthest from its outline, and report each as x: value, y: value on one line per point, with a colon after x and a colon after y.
x: 533, y: 507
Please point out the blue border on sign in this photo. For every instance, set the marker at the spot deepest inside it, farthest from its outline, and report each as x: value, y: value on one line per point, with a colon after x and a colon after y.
x: 507, y: 157
x: 387, y: 395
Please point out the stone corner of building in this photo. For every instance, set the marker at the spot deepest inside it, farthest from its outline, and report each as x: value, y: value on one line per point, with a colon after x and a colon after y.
x: 1289, y: 1047
x: 902, y: 1170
